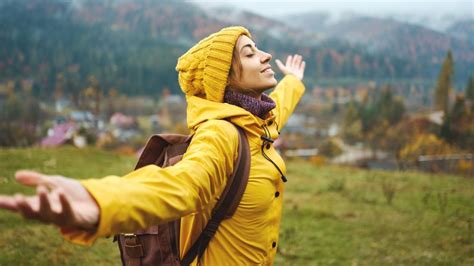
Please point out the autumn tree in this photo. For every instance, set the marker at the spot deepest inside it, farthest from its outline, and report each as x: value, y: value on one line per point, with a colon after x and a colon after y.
x: 373, y: 118
x: 97, y: 91
x: 59, y: 87
x: 390, y: 108
x: 424, y: 144
x: 352, y: 127
x: 404, y: 133
x: 92, y: 95
x: 461, y: 130
x: 443, y: 85
x: 111, y: 106
x: 469, y: 93
x: 459, y: 109
x: 20, y: 114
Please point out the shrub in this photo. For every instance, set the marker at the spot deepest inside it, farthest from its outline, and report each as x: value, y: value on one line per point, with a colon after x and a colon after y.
x: 329, y: 148
x: 337, y: 185
x: 424, y: 144
x: 389, y: 188
x: 318, y: 160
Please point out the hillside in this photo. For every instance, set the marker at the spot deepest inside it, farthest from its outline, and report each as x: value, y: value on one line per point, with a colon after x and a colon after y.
x: 332, y: 215
x: 133, y: 46
x: 463, y: 30
x: 418, y: 46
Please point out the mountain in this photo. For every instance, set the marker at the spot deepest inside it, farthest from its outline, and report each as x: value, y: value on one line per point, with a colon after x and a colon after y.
x: 263, y: 26
x: 133, y: 46
x: 327, y: 57
x: 179, y: 21
x: 421, y: 46
x: 129, y: 46
x: 401, y: 39
x: 463, y: 30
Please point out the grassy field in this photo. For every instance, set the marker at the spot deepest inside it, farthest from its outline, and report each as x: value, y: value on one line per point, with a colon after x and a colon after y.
x: 332, y: 215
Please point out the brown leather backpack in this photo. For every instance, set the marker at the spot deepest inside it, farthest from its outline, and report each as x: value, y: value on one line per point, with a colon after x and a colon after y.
x: 159, y: 244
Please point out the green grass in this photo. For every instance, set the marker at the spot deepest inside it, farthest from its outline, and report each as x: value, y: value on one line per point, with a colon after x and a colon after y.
x: 332, y: 215
x: 32, y: 243
x: 342, y: 216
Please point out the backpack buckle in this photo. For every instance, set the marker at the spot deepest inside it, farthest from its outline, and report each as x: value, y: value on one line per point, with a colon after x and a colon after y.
x: 132, y: 245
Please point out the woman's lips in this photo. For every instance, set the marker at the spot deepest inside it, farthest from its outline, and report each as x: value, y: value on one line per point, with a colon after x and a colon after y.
x: 268, y: 70
x: 267, y: 66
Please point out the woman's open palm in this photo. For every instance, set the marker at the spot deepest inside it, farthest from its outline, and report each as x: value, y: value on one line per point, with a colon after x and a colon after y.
x: 294, y: 65
x: 58, y: 200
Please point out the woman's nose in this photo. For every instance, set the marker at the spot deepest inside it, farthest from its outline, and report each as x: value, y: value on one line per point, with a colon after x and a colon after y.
x: 266, y: 57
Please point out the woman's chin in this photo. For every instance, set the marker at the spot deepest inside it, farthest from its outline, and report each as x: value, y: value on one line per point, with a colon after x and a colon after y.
x: 273, y: 82
x: 268, y: 85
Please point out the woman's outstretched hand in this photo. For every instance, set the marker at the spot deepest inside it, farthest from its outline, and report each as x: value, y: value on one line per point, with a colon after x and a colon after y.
x: 294, y: 65
x: 58, y: 200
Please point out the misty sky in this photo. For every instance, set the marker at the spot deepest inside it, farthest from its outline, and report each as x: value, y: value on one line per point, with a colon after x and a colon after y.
x: 464, y: 8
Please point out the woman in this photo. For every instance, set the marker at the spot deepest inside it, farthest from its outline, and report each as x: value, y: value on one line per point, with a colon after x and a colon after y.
x: 224, y: 77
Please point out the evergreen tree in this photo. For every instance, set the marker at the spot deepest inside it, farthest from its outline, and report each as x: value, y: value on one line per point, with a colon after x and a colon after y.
x: 443, y: 85
x: 351, y: 114
x: 461, y: 125
x: 469, y: 92
x: 335, y: 102
x: 391, y: 108
x: 459, y: 110
x: 352, y: 126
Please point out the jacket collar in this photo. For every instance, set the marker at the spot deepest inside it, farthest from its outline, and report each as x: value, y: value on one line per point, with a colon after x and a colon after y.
x: 200, y: 110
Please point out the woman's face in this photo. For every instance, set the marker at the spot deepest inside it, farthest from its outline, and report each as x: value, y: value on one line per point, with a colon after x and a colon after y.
x: 256, y: 74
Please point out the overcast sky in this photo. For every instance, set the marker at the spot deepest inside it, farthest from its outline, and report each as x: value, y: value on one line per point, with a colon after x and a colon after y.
x: 463, y: 8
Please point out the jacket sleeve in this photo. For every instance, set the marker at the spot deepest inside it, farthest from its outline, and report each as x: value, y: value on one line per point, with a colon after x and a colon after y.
x: 153, y: 195
x: 286, y: 95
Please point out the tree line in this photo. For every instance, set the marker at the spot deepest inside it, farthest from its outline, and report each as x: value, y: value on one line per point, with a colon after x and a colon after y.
x: 129, y: 50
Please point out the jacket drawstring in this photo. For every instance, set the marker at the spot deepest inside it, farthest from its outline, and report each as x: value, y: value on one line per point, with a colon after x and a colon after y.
x: 267, y: 140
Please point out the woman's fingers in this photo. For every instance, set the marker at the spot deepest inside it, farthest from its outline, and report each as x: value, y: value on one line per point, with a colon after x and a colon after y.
x: 32, y: 178
x: 294, y: 65
x: 56, y: 201
x: 9, y: 203
x: 45, y: 206
x: 298, y: 61
x: 281, y: 66
x: 66, y: 216
x: 295, y: 60
x: 28, y: 207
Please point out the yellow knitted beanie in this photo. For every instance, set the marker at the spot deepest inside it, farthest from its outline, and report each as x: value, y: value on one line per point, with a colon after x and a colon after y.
x: 203, y: 69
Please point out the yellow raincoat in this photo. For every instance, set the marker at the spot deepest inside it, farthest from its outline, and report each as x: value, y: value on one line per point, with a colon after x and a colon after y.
x: 190, y: 189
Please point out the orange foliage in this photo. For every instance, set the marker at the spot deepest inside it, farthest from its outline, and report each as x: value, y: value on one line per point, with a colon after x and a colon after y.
x: 318, y: 160
x: 425, y: 144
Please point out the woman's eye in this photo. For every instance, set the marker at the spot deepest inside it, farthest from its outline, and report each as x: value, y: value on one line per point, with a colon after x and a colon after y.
x: 250, y: 55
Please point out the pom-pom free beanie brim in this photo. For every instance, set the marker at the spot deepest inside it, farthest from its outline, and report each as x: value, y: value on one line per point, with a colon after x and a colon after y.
x: 203, y: 70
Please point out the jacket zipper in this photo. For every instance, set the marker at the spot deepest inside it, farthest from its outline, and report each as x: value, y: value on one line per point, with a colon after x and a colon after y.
x: 268, y: 140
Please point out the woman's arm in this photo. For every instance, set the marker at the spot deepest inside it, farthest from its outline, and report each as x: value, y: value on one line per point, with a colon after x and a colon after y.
x: 150, y: 195
x: 290, y: 89
x: 58, y: 200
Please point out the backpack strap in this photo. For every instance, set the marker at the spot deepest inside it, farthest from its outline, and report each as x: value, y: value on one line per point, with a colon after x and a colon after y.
x: 227, y: 204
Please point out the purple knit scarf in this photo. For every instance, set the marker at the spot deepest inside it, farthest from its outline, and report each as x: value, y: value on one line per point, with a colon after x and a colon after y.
x: 259, y: 108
